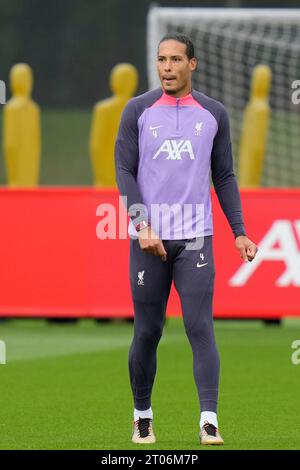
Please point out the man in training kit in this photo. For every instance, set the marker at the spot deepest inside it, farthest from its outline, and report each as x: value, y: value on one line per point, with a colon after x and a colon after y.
x: 170, y: 139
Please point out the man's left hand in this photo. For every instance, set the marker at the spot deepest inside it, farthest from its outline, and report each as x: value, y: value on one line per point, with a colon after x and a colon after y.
x: 246, y: 247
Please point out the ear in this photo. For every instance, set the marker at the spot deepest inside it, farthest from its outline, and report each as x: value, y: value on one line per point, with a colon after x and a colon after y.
x: 193, y: 64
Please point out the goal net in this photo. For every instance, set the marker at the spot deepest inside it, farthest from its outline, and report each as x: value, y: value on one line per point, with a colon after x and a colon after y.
x: 229, y: 43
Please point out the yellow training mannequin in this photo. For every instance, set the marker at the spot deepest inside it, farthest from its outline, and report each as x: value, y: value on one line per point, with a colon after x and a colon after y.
x: 255, y: 129
x: 21, y: 130
x: 105, y: 123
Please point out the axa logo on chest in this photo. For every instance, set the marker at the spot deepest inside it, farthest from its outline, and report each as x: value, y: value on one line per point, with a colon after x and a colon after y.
x: 175, y: 149
x: 279, y: 244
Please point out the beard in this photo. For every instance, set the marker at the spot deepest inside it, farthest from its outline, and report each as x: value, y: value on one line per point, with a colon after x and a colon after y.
x: 170, y: 92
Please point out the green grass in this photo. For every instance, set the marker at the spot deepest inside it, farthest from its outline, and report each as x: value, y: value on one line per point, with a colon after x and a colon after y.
x: 67, y: 387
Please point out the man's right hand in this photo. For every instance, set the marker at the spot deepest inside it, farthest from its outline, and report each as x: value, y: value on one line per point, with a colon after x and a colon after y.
x: 151, y: 243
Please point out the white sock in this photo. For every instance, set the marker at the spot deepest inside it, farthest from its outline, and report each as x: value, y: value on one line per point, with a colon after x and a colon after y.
x: 142, y: 414
x: 209, y: 416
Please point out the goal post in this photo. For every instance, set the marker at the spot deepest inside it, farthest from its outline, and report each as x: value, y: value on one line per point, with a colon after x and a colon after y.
x: 229, y: 44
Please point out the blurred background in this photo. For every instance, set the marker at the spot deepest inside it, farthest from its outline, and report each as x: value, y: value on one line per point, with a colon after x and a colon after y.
x: 72, y: 47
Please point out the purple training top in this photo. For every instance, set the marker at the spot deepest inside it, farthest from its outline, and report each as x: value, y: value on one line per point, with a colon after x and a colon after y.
x: 165, y: 151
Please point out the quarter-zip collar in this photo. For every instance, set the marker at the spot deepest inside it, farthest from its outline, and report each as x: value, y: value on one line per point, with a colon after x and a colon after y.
x: 177, y: 115
x: 174, y: 101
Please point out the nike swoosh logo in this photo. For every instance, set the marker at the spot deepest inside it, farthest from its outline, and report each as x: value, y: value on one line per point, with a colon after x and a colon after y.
x: 200, y: 265
x: 153, y: 128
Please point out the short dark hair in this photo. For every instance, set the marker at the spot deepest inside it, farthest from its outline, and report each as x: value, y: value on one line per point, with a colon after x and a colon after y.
x: 190, y: 52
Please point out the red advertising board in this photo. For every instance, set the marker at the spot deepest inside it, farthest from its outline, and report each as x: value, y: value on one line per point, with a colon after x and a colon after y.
x: 54, y: 264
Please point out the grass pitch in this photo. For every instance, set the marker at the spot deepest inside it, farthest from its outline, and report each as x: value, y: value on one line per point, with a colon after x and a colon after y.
x: 67, y: 387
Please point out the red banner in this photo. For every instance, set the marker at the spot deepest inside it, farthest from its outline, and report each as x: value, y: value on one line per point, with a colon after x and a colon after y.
x: 54, y: 264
